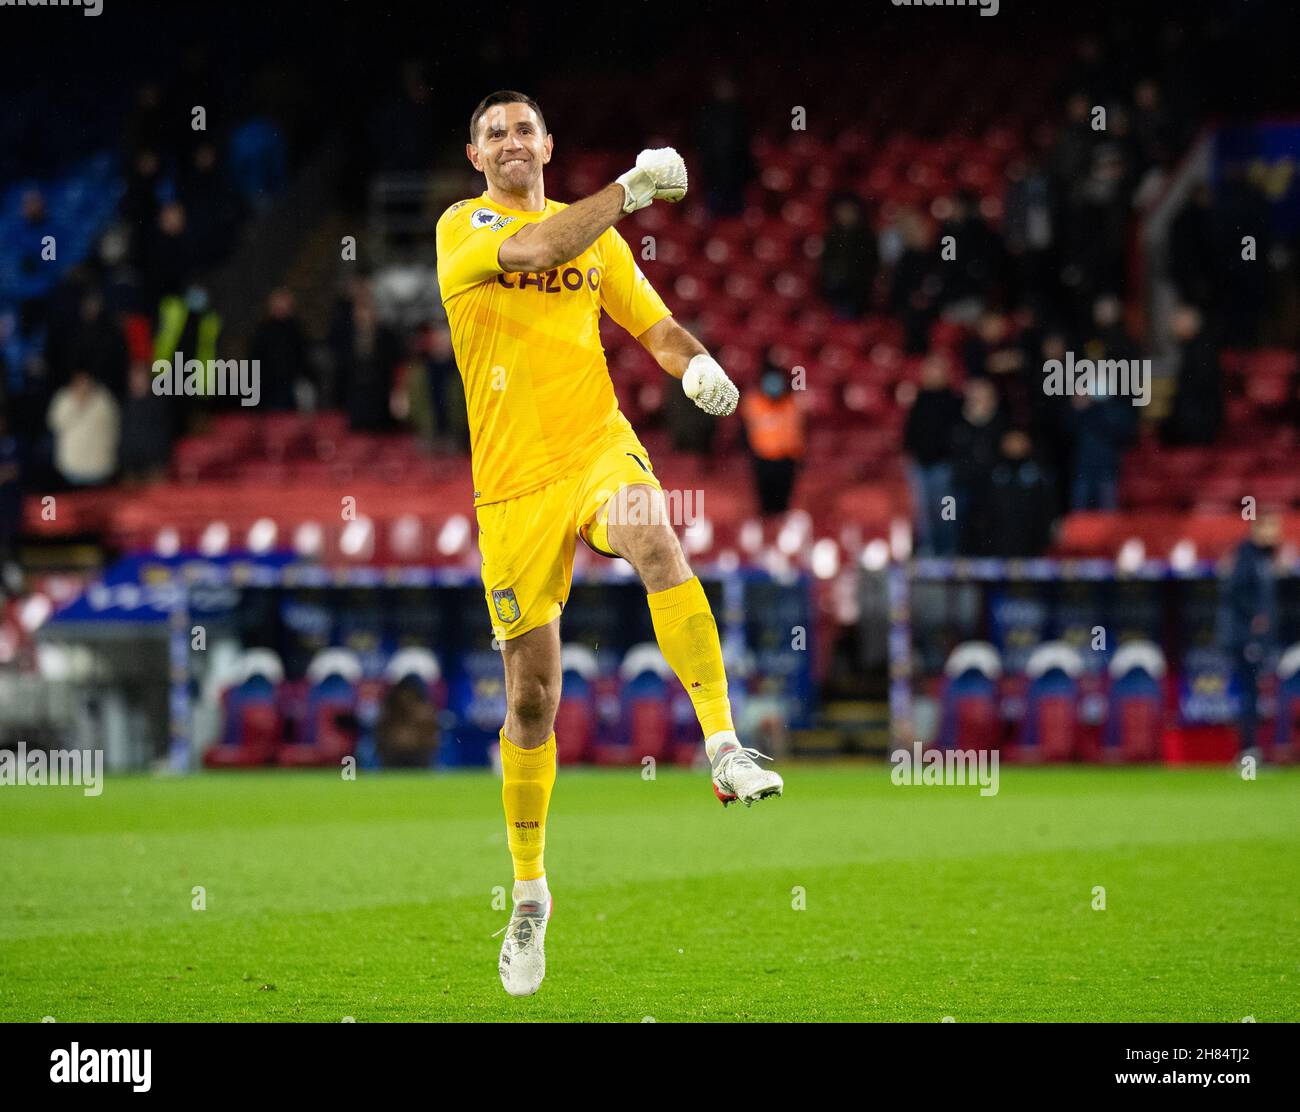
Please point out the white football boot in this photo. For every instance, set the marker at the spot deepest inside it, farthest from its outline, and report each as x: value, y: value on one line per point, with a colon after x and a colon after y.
x: 522, y: 964
x: 736, y: 776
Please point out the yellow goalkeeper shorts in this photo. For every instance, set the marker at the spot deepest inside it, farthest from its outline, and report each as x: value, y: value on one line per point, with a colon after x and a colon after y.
x: 527, y: 543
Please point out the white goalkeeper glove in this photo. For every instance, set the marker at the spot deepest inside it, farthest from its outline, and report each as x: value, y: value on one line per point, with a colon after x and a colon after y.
x: 659, y: 175
x: 708, y: 386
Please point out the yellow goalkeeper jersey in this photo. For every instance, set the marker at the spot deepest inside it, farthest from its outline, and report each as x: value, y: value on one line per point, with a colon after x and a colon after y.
x: 537, y: 387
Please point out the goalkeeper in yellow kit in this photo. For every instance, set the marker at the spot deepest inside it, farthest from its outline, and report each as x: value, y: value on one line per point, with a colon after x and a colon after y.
x: 523, y: 280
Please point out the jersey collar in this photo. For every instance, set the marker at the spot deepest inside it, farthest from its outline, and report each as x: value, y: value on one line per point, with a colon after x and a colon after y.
x: 487, y: 200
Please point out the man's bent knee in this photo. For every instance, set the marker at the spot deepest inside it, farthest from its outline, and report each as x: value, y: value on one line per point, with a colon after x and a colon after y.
x: 657, y: 556
x: 533, y: 677
x: 533, y: 699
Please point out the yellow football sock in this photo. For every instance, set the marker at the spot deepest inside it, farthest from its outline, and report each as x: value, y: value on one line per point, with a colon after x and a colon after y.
x: 529, y: 776
x: 688, y: 638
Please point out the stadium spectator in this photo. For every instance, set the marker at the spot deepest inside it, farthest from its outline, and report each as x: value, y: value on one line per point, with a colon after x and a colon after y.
x: 11, y: 500
x: 1101, y: 426
x: 146, y: 428
x: 366, y: 353
x: 1242, y: 283
x: 1022, y: 499
x: 1029, y: 227
x: 1095, y: 228
x: 280, y: 346
x: 169, y: 260
x: 1094, y: 68
x: 1196, y: 416
x: 722, y: 135
x: 446, y: 391
x: 1072, y: 151
x: 411, y: 402
x: 996, y: 352
x: 139, y: 205
x: 407, y: 732
x: 849, y: 260
x: 1249, y: 601
x: 124, y: 296
x: 928, y: 442
x: 1100, y: 431
x: 1194, y: 250
x: 188, y: 327
x: 1109, y: 339
x: 427, y: 392
x: 212, y: 206
x: 916, y: 285
x: 774, y: 431
x: 93, y: 342
x: 146, y: 128
x: 84, y: 419
x: 977, y: 446
x: 31, y: 251
x: 1157, y: 138
x: 1054, y: 421
x: 975, y: 274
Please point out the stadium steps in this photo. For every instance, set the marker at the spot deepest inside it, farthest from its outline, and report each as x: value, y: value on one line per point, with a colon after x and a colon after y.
x: 314, y: 273
x: 843, y: 727
x: 269, y: 247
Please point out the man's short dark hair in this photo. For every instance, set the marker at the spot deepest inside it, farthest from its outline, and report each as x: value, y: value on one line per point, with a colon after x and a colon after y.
x: 502, y: 96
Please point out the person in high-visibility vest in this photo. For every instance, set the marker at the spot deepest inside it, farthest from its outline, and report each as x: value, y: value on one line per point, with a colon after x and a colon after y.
x: 774, y: 429
x: 188, y: 326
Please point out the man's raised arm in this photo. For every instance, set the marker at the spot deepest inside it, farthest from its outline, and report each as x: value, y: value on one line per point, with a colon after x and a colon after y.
x: 545, y: 244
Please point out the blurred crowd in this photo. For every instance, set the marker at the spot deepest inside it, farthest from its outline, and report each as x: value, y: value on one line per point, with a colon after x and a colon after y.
x: 993, y: 461
x: 982, y: 435
x: 80, y: 393
x: 77, y: 406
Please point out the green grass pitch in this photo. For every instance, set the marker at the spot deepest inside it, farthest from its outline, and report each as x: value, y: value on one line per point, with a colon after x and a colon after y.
x: 373, y: 898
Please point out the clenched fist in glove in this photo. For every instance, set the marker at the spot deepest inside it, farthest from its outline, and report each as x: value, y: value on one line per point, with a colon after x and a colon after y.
x: 659, y: 175
x: 707, y: 384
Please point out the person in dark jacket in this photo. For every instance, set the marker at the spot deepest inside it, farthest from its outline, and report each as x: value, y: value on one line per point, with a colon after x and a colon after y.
x: 280, y: 346
x: 212, y: 206
x: 146, y: 428
x: 1196, y: 417
x: 11, y: 505
x: 978, y: 268
x: 917, y: 282
x: 1022, y: 505
x: 1250, y: 616
x: 366, y: 354
x: 928, y: 442
x: 849, y: 258
x: 976, y: 449
x: 92, y: 342
x: 1102, y: 426
x: 169, y: 261
x: 722, y: 137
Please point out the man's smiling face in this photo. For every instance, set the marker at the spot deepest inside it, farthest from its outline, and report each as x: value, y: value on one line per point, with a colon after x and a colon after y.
x: 512, y: 147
